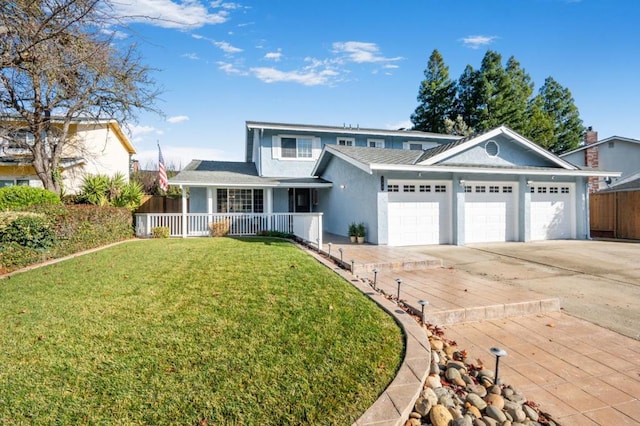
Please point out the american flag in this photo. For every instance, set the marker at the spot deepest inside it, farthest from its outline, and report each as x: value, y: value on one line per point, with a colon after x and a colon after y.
x: 162, y: 171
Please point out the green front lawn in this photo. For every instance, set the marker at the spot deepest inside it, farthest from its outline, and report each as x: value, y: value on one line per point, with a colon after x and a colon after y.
x: 188, y: 331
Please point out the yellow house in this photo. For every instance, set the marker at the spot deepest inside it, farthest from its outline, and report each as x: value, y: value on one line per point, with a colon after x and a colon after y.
x: 96, y: 147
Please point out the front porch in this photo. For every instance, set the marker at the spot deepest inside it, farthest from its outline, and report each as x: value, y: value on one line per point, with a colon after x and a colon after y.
x: 306, y: 226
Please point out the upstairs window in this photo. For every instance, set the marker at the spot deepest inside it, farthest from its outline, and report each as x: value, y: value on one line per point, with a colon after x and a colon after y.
x: 375, y: 143
x: 296, y: 147
x: 418, y: 146
x: 346, y: 141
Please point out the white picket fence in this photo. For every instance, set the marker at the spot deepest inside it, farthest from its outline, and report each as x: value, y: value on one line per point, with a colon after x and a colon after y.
x: 306, y: 226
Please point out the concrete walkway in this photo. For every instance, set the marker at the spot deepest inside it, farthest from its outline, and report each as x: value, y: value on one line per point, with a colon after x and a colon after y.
x: 580, y: 373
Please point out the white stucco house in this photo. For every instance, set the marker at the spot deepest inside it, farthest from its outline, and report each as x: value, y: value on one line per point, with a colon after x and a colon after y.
x: 407, y: 187
x: 613, y: 153
x: 97, y: 147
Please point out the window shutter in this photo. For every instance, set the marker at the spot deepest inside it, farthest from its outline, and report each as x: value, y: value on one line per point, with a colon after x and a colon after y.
x: 275, y: 147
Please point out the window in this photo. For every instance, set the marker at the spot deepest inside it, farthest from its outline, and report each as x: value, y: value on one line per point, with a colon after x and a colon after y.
x: 564, y: 190
x: 481, y: 188
x: 441, y: 188
x: 295, y: 147
x: 12, y: 182
x: 375, y: 143
x: 494, y: 189
x: 542, y: 190
x: 467, y: 188
x: 507, y: 189
x: 418, y: 146
x: 393, y: 188
x: 612, y: 144
x: 425, y: 188
x: 346, y: 141
x: 240, y: 200
x: 409, y: 188
x: 553, y: 190
x: 533, y: 190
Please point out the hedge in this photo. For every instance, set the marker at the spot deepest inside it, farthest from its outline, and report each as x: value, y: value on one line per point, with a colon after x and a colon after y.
x: 75, y: 228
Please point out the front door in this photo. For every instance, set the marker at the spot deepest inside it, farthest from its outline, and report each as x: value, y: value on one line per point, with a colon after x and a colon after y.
x: 299, y: 200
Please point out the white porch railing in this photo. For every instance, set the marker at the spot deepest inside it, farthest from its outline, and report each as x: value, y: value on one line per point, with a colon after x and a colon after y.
x: 306, y: 226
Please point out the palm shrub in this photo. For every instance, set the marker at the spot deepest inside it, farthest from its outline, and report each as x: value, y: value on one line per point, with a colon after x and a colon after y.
x: 103, y: 190
x: 18, y: 196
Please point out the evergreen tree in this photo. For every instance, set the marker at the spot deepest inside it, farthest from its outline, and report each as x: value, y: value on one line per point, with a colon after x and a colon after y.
x: 436, y: 95
x: 559, y: 104
x: 467, y: 101
x: 492, y: 86
x: 516, y: 93
x: 539, y: 126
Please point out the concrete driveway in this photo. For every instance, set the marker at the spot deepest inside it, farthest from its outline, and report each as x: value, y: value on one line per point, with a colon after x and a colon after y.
x: 598, y: 281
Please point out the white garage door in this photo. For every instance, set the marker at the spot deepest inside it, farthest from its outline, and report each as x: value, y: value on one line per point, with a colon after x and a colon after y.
x: 490, y: 212
x: 552, y: 211
x: 419, y: 212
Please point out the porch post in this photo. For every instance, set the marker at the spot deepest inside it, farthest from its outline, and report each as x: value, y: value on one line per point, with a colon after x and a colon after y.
x: 184, y: 212
x: 268, y: 207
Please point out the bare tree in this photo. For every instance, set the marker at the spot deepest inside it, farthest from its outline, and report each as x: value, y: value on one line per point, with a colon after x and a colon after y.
x: 60, y: 63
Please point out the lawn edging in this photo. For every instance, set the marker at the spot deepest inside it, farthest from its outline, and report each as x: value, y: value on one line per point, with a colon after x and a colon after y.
x: 395, y: 404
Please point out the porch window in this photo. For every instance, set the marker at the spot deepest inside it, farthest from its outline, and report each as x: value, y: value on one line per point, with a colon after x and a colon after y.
x: 240, y: 200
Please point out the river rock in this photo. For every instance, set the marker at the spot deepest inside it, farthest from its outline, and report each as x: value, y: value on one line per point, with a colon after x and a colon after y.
x: 495, y: 413
x: 433, y: 381
x: 436, y: 344
x: 476, y: 401
x: 530, y: 412
x: 479, y: 390
x: 495, y: 400
x: 462, y: 421
x: 413, y: 422
x: 517, y: 414
x: 423, y: 406
x: 440, y: 416
x: 474, y: 411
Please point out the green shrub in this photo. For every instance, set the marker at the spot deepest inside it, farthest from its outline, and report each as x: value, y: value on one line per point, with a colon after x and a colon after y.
x: 160, y: 232
x: 102, y: 190
x: 18, y: 196
x: 14, y: 256
x: 30, y: 231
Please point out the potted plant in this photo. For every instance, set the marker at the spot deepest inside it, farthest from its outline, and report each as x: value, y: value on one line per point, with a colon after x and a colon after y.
x: 360, y: 232
x: 353, y: 231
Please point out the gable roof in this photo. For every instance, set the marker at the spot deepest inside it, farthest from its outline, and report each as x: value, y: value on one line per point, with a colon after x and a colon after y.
x: 600, y: 142
x: 236, y: 174
x: 372, y: 159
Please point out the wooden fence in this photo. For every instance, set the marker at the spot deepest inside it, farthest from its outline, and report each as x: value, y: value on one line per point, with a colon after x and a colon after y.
x: 160, y: 204
x: 615, y: 215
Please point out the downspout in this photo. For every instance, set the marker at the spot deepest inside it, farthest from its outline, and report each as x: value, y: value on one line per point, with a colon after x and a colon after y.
x: 184, y: 211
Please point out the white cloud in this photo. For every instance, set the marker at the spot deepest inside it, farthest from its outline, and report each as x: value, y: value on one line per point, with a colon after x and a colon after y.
x: 226, y: 47
x: 361, y: 52
x: 230, y: 68
x: 477, y: 41
x: 192, y: 56
x: 306, y: 77
x: 137, y: 131
x: 274, y: 56
x: 169, y: 14
x: 178, y: 119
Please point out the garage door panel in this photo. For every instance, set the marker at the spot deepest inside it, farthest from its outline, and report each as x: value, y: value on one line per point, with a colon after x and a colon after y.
x: 552, y: 211
x: 490, y: 216
x: 418, y: 218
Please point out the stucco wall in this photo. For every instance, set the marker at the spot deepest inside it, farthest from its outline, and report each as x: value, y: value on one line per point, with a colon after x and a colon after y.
x: 509, y: 154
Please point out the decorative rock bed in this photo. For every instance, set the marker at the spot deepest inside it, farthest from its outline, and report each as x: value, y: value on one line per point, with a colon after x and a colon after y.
x: 459, y: 393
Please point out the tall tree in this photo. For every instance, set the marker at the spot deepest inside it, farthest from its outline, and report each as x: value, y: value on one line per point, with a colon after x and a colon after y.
x: 57, y: 65
x: 559, y: 104
x: 435, y: 96
x: 516, y: 92
x: 538, y: 124
x: 467, y: 100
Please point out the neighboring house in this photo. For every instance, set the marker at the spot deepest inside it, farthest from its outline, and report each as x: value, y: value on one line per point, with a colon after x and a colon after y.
x: 97, y: 147
x: 407, y: 187
x: 613, y: 153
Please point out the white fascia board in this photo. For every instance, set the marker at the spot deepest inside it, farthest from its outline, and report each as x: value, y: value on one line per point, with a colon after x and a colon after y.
x: 493, y: 133
x: 305, y: 185
x: 480, y: 170
x: 349, y: 130
x: 222, y: 185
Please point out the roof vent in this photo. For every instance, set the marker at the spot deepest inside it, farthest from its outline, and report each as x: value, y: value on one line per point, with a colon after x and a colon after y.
x: 492, y: 148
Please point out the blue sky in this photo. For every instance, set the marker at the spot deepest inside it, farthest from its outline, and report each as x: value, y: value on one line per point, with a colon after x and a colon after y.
x: 360, y: 63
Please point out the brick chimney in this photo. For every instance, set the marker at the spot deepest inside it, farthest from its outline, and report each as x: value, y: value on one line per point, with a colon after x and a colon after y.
x: 591, y: 156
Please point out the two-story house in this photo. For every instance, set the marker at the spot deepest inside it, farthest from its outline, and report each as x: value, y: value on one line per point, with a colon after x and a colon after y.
x: 407, y: 187
x: 613, y: 153
x: 95, y: 147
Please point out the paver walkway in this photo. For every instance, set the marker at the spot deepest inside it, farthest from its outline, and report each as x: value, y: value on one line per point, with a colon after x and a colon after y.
x: 580, y: 373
